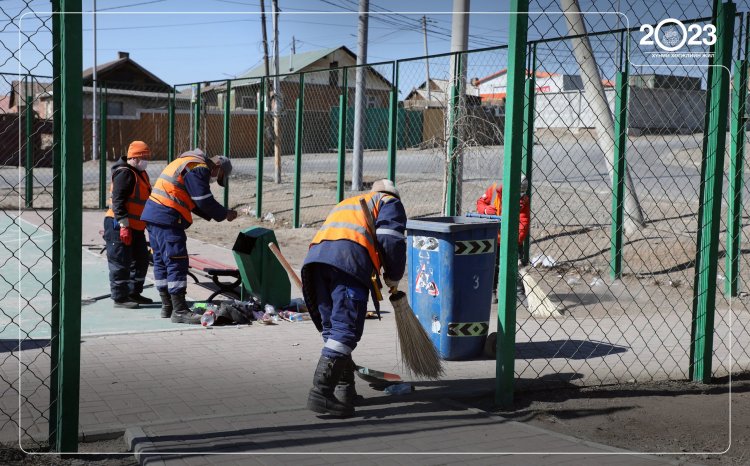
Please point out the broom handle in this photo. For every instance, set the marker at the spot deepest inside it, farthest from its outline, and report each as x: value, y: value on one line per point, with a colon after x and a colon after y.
x: 285, y: 264
x: 371, y: 228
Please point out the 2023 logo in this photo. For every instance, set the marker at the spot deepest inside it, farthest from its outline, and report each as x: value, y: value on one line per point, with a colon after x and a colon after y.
x: 677, y: 35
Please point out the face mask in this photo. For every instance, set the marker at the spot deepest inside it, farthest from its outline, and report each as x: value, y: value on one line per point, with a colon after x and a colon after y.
x: 141, y: 164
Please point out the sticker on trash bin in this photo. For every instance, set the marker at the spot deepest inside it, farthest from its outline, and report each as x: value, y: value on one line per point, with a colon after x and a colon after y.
x: 425, y: 282
x: 435, y: 325
x: 482, y: 246
x: 426, y: 243
x: 468, y: 329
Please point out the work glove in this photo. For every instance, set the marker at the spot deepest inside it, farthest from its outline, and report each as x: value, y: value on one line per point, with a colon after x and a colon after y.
x: 231, y: 215
x: 126, y: 236
x: 490, y: 211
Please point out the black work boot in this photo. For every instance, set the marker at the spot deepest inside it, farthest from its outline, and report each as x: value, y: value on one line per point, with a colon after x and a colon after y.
x: 520, y: 291
x: 321, y: 399
x: 140, y: 299
x: 345, y: 391
x: 126, y: 303
x: 166, y: 304
x: 181, y: 313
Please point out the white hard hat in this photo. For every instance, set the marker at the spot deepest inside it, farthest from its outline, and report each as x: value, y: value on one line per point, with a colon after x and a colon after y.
x: 386, y: 186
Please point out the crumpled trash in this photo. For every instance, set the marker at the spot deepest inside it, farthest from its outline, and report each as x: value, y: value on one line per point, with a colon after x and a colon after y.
x: 269, y: 217
x: 544, y: 261
x: 596, y: 282
x: 574, y: 280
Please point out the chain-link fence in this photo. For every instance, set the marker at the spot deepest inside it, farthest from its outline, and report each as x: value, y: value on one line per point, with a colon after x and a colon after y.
x: 27, y: 178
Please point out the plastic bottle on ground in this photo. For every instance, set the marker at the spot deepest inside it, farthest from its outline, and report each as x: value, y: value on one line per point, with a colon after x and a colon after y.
x: 270, y: 310
x: 399, y: 389
x: 208, y: 318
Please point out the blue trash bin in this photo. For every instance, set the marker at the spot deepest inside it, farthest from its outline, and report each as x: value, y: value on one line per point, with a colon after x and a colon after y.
x: 451, y: 264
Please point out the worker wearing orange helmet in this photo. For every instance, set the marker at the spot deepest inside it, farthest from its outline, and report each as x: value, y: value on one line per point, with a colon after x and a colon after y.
x: 124, y: 231
x: 491, y: 204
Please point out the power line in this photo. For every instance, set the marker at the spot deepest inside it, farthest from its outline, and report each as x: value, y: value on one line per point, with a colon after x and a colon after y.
x: 131, y: 5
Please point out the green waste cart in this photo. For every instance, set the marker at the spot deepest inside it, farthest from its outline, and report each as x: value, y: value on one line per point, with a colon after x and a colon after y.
x: 261, y: 272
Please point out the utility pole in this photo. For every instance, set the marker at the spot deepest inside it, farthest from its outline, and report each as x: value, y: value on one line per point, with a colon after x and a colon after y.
x: 94, y: 126
x: 459, y: 43
x: 597, y: 101
x: 291, y: 57
x: 265, y: 38
x: 427, y: 60
x: 359, y: 96
x: 277, y: 103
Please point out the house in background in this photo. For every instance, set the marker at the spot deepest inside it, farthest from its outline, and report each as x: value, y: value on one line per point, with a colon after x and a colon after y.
x: 322, y: 87
x: 437, y: 97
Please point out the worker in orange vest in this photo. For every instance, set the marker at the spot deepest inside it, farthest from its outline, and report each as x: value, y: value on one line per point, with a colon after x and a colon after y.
x: 491, y: 204
x: 337, y: 279
x: 181, y: 190
x: 124, y: 231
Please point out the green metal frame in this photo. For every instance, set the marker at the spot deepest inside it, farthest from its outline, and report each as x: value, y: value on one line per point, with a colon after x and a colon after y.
x: 102, y: 150
x: 170, y: 127
x: 70, y: 115
x: 393, y: 125
x: 343, y: 111
x: 528, y: 139
x: 620, y: 149
x: 514, y: 117
x: 260, y: 148
x: 227, y: 116
x: 736, y: 165
x: 197, y: 118
x: 298, y: 135
x: 29, y: 165
x: 453, y: 139
x: 54, y: 340
x: 704, y: 313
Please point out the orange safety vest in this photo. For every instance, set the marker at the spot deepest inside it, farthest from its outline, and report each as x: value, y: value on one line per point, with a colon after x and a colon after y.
x: 170, y: 189
x: 136, y: 201
x: 497, y: 203
x: 347, y: 221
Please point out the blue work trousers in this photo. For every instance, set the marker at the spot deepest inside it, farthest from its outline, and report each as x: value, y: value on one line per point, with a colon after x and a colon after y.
x: 342, y: 303
x: 170, y: 257
x: 127, y: 264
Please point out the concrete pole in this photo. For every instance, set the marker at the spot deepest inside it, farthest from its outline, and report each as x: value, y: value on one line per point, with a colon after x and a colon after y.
x: 597, y: 100
x: 94, y: 126
x: 426, y: 60
x: 459, y: 43
x: 359, y: 96
x: 277, y: 103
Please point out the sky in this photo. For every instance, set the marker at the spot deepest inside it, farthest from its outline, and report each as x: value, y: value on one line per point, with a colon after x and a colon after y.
x: 184, y: 41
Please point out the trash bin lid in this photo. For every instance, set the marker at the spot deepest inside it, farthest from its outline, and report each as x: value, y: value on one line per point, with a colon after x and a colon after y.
x: 449, y: 224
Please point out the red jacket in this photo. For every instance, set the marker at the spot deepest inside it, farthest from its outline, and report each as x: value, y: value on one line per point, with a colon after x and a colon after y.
x: 489, y: 206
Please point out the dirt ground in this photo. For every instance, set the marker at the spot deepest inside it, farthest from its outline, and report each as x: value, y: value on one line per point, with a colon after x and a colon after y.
x: 14, y: 457
x: 669, y: 417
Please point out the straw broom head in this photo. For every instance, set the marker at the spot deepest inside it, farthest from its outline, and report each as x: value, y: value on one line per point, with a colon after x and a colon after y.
x: 418, y: 353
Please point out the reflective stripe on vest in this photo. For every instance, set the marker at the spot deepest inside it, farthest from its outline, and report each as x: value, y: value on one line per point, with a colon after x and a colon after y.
x: 347, y: 221
x: 170, y: 191
x: 136, y: 201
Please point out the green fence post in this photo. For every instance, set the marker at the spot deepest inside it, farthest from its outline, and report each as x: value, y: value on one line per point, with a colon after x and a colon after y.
x: 701, y: 194
x: 71, y: 163
x: 455, y: 101
x: 226, y: 137
x: 298, y: 134
x: 736, y: 165
x: 343, y: 111
x: 260, y: 148
x: 528, y: 138
x: 618, y: 178
x: 29, y: 146
x: 393, y: 125
x: 54, y: 340
x: 170, y: 128
x: 103, y: 150
x: 506, y: 310
x: 197, y: 121
x: 703, y: 315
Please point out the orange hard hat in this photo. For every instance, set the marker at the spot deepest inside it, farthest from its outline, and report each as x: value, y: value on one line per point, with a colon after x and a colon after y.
x: 139, y: 149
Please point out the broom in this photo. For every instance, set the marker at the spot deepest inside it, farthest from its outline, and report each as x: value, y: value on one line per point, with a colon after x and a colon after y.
x: 417, y: 351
